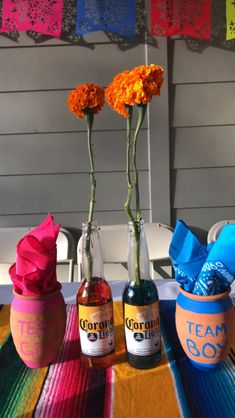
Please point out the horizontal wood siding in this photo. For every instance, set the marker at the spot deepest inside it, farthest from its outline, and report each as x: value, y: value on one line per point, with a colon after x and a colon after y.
x: 66, y: 152
x: 202, y: 135
x: 44, y: 164
x: 206, y: 146
x: 204, y: 104
x: 47, y: 111
x: 43, y: 149
x: 209, y: 66
x: 72, y: 220
x: 65, y: 192
x: 204, y: 187
x: 159, y: 144
x: 62, y: 67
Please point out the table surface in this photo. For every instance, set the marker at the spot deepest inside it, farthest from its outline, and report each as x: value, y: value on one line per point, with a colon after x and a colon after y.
x: 68, y: 388
x: 167, y: 289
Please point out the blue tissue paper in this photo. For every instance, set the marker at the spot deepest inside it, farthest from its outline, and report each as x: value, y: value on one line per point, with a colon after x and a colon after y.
x: 203, y: 269
x: 218, y: 272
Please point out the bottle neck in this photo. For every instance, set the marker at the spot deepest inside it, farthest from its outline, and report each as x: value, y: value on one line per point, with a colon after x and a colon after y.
x: 95, y: 252
x: 138, y: 249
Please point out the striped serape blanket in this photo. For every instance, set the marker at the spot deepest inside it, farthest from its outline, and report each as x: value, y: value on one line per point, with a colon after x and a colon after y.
x: 67, y: 388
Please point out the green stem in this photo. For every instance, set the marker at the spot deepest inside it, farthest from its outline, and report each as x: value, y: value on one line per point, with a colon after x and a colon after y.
x: 136, y: 254
x: 128, y: 200
x: 141, y: 114
x: 89, y: 121
x: 128, y: 173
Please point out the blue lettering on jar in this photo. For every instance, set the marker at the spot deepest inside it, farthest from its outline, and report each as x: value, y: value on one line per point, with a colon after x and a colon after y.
x: 209, y: 350
x: 198, y: 330
x: 192, y: 348
x: 209, y: 331
x: 220, y: 329
x: 201, y: 330
x: 190, y: 326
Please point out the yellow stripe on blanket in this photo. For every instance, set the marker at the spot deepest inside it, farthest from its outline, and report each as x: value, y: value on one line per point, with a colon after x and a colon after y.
x: 4, y: 323
x: 142, y: 393
x: 32, y: 392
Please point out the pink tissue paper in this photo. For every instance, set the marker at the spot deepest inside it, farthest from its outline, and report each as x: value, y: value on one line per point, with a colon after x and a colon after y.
x: 34, y: 272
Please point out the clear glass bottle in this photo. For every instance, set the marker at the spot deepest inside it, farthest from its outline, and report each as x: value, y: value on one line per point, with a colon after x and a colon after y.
x: 95, y: 304
x: 140, y: 304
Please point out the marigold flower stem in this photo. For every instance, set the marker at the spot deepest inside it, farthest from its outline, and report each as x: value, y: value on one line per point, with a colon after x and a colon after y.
x: 89, y: 121
x: 141, y: 114
x: 128, y: 172
x: 128, y: 200
x: 137, y: 277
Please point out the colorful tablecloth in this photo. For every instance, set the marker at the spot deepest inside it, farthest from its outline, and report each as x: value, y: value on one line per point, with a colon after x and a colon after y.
x: 67, y: 388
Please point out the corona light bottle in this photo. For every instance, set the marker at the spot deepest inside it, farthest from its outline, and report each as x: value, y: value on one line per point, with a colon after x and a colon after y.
x: 95, y: 305
x: 141, y: 305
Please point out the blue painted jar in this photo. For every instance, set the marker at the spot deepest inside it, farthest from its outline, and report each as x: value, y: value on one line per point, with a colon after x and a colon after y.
x: 205, y: 327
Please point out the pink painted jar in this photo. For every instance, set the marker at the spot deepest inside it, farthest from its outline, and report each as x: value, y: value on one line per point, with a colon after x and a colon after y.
x: 205, y: 327
x: 38, y: 326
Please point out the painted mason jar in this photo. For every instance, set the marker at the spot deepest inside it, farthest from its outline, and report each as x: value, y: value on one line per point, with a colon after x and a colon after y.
x: 205, y: 327
x: 38, y: 327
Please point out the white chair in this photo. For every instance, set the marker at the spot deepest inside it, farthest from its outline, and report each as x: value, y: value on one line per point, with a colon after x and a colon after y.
x: 9, y: 237
x: 114, y: 242
x: 66, y: 254
x: 215, y: 230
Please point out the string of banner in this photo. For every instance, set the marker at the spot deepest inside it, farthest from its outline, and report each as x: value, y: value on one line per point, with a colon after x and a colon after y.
x: 78, y: 17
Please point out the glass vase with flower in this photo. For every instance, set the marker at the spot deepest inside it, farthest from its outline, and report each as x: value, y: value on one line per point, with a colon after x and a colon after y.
x: 140, y: 296
x: 94, y: 298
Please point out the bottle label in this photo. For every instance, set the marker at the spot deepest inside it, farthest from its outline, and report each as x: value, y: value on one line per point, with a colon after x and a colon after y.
x: 142, y: 329
x: 96, y: 329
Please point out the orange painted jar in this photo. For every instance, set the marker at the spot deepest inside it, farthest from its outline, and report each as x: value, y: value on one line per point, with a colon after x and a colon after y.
x: 205, y: 327
x: 38, y: 327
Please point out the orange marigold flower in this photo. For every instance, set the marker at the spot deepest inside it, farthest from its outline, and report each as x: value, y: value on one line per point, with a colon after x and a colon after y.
x: 87, y: 97
x: 137, y: 86
x: 115, y: 93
